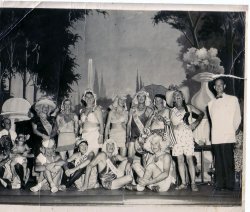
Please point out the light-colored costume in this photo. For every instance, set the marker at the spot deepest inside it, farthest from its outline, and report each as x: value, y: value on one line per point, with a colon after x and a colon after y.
x: 165, y: 184
x: 91, y: 134
x: 183, y: 134
x: 119, y: 134
x: 110, y: 173
x: 66, y: 138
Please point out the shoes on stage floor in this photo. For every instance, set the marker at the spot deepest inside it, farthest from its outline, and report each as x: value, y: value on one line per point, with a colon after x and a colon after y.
x: 155, y: 188
x: 36, y: 188
x: 194, y: 187
x: 54, y: 189
x: 62, y: 188
x: 181, y: 187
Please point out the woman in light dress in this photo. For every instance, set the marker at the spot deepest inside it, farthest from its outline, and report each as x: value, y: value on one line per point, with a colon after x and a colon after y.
x: 117, y: 123
x: 180, y: 116
x: 91, y: 122
x: 67, y: 124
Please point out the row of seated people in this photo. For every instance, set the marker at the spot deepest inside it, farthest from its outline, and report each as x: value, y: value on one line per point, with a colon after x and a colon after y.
x: 85, y: 171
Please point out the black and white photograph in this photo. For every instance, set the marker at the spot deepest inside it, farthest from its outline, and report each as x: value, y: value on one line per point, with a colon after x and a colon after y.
x: 122, y: 107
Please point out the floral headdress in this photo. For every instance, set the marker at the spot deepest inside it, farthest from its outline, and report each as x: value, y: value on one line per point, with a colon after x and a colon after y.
x: 115, y: 101
x: 110, y: 141
x: 146, y: 94
x: 89, y: 91
x: 202, y: 60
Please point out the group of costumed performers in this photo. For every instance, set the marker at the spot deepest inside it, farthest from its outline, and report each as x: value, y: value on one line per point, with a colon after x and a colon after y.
x: 131, y: 149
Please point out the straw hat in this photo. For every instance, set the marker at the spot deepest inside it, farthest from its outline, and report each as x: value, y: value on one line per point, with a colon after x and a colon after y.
x: 45, y: 101
x: 183, y: 89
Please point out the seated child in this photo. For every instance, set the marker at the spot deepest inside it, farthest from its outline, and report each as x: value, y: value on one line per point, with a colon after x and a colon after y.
x: 6, y: 130
x: 19, y: 154
x: 75, y: 166
x: 49, y: 164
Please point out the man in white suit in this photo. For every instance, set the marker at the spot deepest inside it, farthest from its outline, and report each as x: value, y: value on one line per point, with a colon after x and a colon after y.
x: 225, y: 116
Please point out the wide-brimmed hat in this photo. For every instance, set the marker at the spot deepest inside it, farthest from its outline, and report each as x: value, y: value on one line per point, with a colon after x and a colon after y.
x: 45, y: 101
x: 169, y: 94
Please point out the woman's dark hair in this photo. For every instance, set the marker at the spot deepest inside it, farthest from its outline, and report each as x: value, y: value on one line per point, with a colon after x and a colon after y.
x: 89, y: 92
x: 84, y: 102
x: 32, y: 110
x: 83, y: 142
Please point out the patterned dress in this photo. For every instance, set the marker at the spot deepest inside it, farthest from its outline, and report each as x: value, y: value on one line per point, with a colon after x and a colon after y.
x: 183, y: 134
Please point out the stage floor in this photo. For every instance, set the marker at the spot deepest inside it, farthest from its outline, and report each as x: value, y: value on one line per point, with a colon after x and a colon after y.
x: 205, y: 196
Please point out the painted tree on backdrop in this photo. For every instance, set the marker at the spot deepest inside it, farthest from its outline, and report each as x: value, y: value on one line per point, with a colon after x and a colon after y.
x: 222, y: 30
x: 43, y: 56
x: 9, y: 48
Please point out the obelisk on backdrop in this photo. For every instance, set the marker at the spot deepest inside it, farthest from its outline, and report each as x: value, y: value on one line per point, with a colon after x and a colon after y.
x: 90, y: 74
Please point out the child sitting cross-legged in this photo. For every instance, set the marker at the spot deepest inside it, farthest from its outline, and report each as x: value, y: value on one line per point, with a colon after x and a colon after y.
x: 49, y: 165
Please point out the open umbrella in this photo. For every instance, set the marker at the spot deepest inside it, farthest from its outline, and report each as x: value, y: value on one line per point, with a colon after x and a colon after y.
x: 155, y: 89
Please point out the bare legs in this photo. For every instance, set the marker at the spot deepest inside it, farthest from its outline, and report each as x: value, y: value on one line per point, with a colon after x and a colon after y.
x: 191, y: 169
x: 54, y: 180
x: 131, y: 149
x: 181, y: 169
x: 121, y: 181
x: 63, y: 154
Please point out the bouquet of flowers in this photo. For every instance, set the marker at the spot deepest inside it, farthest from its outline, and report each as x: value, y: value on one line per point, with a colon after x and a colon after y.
x: 202, y: 60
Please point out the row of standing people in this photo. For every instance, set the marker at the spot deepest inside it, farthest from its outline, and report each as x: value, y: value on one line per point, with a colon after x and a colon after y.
x: 125, y: 128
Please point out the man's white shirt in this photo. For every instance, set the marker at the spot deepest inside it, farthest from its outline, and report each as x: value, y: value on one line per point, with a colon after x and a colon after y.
x: 226, y: 117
